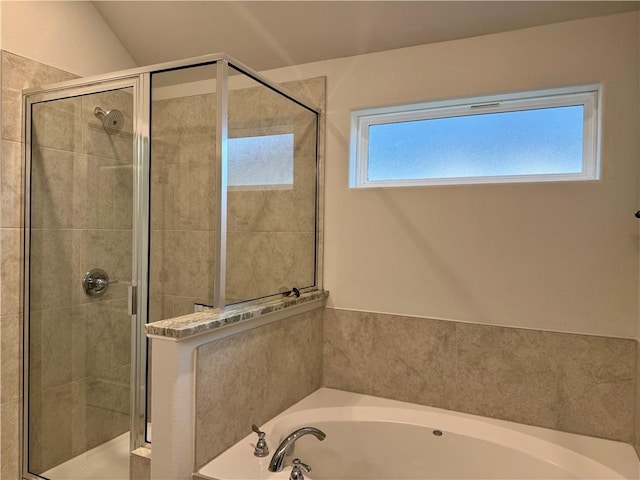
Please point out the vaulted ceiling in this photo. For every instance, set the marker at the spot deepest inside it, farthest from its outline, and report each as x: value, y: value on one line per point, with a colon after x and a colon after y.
x: 271, y: 34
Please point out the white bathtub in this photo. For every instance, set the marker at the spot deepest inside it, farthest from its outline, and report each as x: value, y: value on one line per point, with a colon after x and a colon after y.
x: 373, y: 438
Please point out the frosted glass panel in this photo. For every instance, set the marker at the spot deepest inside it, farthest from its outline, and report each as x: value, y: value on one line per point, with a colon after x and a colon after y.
x: 261, y: 160
x: 529, y: 142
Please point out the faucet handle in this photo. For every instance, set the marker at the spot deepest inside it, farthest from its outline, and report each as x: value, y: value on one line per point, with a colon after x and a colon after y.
x: 298, y: 469
x: 261, y: 449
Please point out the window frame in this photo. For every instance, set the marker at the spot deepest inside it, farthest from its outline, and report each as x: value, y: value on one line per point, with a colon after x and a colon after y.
x: 588, y: 96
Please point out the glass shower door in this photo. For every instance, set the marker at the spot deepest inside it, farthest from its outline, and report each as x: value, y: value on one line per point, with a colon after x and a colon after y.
x: 79, y: 254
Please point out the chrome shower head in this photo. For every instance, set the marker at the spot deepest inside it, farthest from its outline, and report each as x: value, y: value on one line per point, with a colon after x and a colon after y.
x: 112, y: 120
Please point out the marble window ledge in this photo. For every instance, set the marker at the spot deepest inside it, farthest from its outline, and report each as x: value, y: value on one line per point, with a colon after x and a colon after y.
x: 195, y: 324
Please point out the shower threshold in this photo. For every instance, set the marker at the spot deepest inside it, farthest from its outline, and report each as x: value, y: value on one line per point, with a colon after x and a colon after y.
x: 108, y: 461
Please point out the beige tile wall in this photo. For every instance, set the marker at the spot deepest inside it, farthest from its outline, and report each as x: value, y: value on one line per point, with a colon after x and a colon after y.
x: 637, y: 406
x: 276, y: 226
x: 281, y: 362
x: 16, y: 73
x: 251, y: 377
x: 574, y: 383
x: 80, y: 221
x: 79, y: 224
x: 593, y: 394
x: 271, y: 233
x: 139, y: 467
x: 182, y: 204
x: 80, y: 346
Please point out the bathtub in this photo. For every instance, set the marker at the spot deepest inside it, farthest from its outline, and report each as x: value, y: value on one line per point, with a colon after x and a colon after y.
x: 375, y: 439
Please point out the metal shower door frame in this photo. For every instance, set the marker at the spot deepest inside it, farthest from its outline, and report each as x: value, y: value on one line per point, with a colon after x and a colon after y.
x: 140, y: 80
x: 138, y: 290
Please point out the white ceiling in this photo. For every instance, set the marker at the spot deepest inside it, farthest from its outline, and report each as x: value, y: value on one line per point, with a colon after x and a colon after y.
x: 270, y: 34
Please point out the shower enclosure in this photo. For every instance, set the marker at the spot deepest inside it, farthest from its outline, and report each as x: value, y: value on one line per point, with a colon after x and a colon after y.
x: 149, y: 194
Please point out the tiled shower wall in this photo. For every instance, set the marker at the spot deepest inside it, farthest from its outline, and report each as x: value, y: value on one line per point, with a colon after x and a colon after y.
x: 80, y: 370
x: 81, y: 206
x: 182, y: 203
x: 574, y: 383
x: 271, y: 232
x: 17, y: 73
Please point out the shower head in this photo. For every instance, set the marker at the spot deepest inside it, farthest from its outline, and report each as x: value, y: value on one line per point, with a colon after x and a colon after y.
x: 112, y: 120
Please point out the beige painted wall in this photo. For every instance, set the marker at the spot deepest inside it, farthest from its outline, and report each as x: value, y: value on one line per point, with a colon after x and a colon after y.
x: 1, y: 29
x: 71, y: 36
x: 555, y: 256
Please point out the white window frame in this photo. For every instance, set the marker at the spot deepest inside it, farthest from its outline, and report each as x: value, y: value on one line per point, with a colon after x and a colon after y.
x: 589, y: 96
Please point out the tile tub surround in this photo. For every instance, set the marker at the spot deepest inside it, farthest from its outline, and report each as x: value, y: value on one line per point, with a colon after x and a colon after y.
x: 574, y: 383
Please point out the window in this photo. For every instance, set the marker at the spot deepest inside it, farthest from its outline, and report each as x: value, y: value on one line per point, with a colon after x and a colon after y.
x: 549, y: 135
x: 260, y: 161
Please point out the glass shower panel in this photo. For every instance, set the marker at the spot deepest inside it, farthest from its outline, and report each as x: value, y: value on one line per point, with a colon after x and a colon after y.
x: 182, y: 196
x: 79, y: 328
x: 271, y: 196
x: 183, y: 186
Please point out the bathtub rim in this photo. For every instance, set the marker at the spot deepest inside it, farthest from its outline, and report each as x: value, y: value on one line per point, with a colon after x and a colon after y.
x: 619, y: 457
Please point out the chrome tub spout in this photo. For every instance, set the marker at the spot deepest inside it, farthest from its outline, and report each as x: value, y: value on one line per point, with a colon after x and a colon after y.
x: 277, y: 461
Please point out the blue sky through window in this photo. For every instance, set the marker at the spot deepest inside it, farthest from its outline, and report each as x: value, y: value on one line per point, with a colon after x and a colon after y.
x: 528, y: 142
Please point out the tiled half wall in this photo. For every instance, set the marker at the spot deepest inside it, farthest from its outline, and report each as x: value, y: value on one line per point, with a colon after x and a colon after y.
x: 251, y: 377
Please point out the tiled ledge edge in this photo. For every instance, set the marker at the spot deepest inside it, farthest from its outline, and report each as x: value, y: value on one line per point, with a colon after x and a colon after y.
x: 187, y: 326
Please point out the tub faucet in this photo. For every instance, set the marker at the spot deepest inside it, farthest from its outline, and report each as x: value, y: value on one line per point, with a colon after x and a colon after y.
x: 298, y: 470
x: 277, y: 461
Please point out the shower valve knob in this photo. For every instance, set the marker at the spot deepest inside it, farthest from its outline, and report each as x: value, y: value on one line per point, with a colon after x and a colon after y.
x: 637, y: 214
x: 96, y: 281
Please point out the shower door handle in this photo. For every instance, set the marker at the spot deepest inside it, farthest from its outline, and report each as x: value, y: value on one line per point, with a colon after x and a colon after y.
x: 133, y: 300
